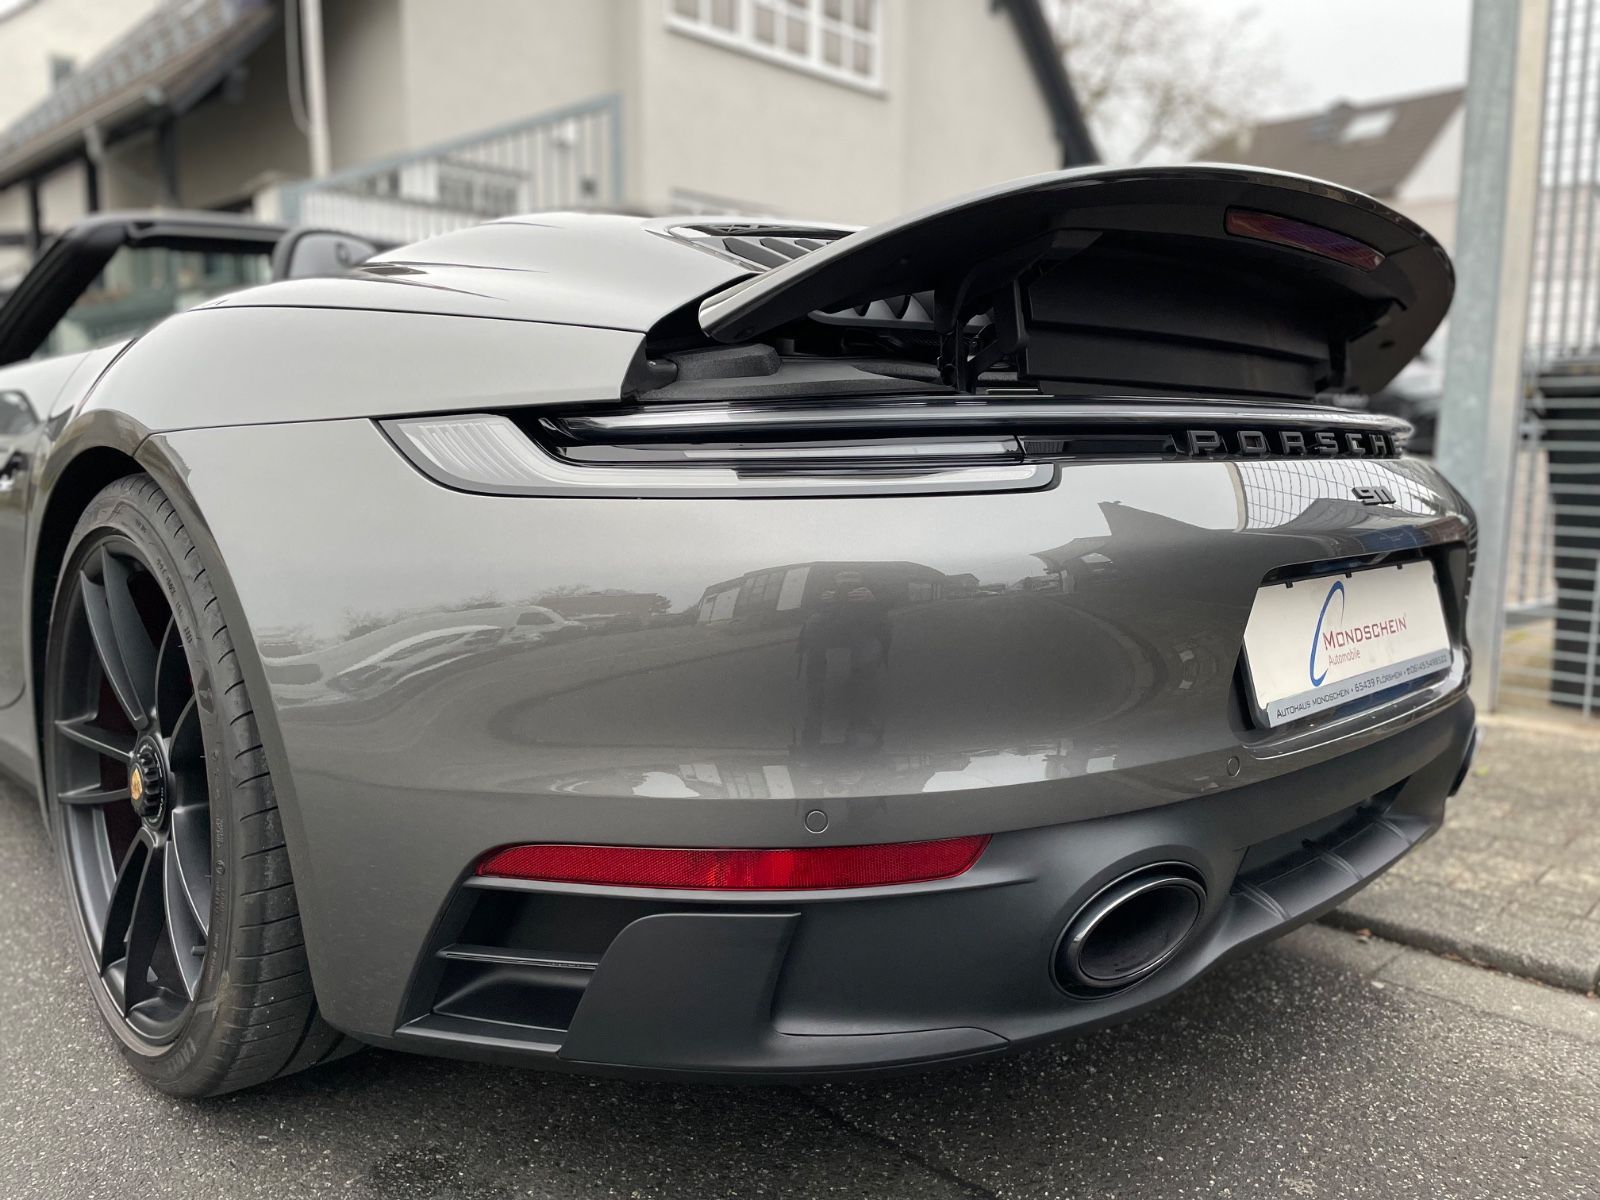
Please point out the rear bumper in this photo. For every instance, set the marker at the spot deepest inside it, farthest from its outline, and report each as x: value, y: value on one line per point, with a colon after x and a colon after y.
x: 1057, y: 668
x: 693, y: 985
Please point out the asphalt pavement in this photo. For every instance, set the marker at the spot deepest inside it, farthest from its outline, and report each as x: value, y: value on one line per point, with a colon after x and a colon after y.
x: 1326, y: 1066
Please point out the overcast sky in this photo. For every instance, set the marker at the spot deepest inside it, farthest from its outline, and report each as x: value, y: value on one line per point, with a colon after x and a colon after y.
x: 1358, y: 49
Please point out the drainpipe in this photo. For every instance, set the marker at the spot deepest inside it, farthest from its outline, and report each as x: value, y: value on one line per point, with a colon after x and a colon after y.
x: 35, y: 219
x: 93, y: 157
x: 316, y: 86
x: 167, y: 161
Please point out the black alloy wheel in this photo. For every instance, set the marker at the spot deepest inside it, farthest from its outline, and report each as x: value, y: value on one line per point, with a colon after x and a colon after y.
x: 130, y: 775
x: 163, y: 810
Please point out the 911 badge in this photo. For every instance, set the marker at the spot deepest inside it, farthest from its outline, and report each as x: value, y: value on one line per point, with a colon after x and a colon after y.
x: 1318, y: 643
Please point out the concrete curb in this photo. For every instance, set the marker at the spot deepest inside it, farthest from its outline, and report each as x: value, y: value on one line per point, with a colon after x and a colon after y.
x: 1388, y: 964
x: 1532, y: 948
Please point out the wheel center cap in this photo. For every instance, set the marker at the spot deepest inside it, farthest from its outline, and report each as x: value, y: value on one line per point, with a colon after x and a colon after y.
x: 147, y: 782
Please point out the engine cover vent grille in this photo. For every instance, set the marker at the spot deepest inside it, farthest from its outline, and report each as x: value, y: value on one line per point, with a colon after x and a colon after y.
x: 766, y: 252
x: 762, y: 247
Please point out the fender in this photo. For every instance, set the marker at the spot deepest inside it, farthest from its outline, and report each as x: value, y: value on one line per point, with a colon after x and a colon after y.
x: 168, y: 470
x: 52, y: 446
x: 212, y: 367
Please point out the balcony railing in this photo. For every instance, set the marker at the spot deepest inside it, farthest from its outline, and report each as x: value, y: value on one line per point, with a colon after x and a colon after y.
x: 567, y: 159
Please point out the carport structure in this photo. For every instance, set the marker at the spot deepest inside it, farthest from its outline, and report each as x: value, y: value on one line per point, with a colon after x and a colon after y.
x: 130, y: 103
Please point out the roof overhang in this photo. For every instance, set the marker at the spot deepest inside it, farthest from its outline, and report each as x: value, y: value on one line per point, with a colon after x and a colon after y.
x: 160, y: 68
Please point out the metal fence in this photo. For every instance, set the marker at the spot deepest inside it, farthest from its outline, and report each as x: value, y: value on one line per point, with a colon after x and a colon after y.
x: 1551, y: 652
x: 567, y: 159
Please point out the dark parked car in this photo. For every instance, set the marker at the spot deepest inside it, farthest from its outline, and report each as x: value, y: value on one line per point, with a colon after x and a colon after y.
x: 999, y: 631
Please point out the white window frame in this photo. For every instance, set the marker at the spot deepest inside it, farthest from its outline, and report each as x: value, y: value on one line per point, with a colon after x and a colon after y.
x: 1373, y: 125
x: 810, y: 63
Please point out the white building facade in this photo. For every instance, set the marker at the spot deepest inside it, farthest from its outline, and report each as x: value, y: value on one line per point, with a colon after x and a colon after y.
x: 439, y: 114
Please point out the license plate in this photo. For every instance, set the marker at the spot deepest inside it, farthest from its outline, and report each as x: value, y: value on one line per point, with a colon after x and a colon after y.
x: 1318, y: 643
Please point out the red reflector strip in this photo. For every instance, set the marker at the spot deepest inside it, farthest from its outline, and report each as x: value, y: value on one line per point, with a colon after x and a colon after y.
x: 747, y: 870
x: 1313, y: 239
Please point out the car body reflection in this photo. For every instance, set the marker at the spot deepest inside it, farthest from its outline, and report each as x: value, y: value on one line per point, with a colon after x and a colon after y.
x: 399, y: 654
x: 1070, y: 636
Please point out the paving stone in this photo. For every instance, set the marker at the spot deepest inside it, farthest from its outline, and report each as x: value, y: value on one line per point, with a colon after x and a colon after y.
x: 1540, y: 945
x: 1572, y: 879
x: 1558, y: 900
x: 1513, y: 879
x: 1489, y: 992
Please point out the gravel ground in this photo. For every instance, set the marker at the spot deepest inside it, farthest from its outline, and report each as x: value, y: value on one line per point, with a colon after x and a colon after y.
x: 1326, y: 1066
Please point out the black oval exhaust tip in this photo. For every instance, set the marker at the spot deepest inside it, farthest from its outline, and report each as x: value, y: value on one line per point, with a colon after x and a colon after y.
x: 1130, y: 927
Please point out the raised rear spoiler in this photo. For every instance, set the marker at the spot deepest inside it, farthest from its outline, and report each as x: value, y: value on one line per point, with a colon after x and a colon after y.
x: 1203, y: 278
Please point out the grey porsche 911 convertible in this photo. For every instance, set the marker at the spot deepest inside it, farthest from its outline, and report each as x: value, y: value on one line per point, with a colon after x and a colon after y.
x: 721, y: 649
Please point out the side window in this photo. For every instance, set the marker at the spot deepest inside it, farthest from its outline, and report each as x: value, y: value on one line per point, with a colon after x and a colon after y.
x: 142, y: 284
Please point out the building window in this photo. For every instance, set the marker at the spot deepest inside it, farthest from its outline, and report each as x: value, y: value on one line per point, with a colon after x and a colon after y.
x: 840, y: 39
x: 1368, y: 126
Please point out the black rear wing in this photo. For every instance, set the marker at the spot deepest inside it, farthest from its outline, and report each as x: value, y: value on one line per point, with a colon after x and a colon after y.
x: 1165, y: 279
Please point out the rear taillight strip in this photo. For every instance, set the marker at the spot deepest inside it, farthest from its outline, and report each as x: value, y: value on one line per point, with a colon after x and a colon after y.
x: 857, y: 450
x: 489, y: 454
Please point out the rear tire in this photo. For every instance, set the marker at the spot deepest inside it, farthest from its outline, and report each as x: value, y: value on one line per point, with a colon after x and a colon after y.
x: 162, y: 808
